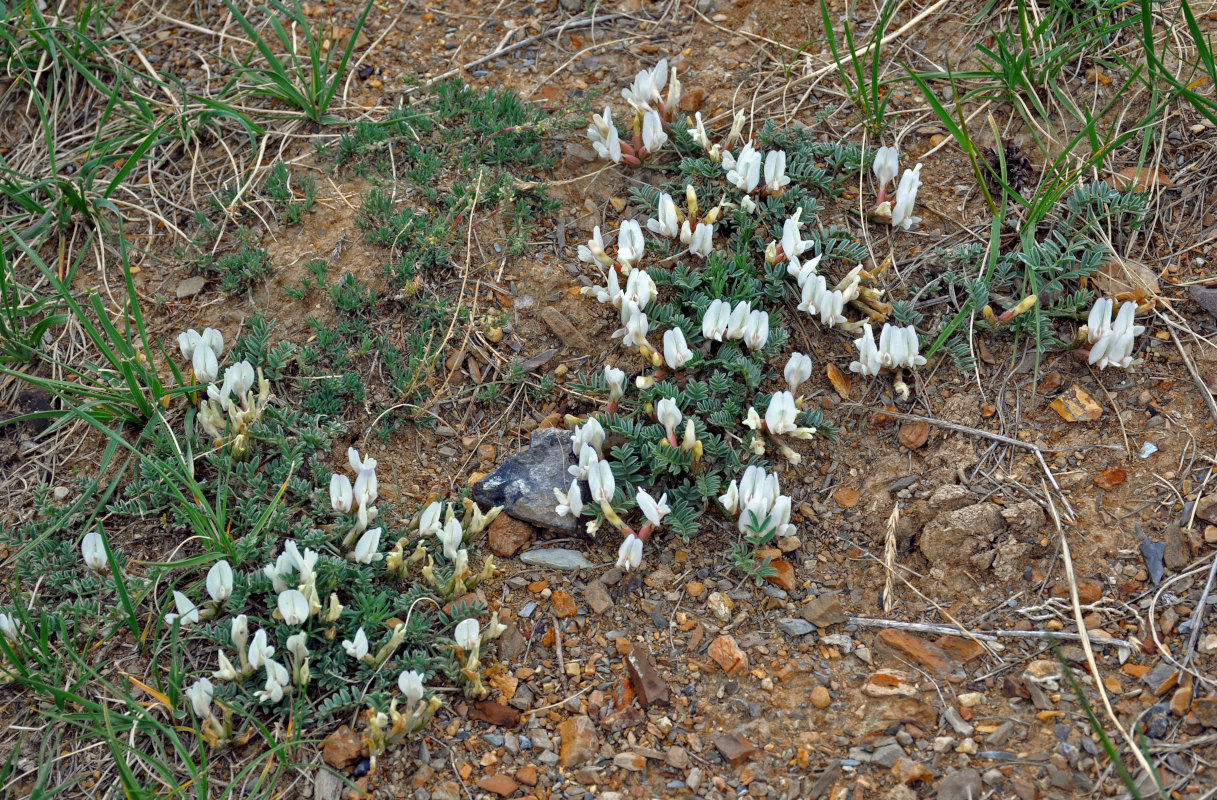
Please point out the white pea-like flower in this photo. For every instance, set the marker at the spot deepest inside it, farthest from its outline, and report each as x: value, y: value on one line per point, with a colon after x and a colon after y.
x: 653, y: 135
x: 411, y: 685
x: 260, y: 650
x: 277, y: 678
x: 205, y: 365
x: 669, y: 416
x: 356, y: 648
x: 10, y: 628
x: 187, y: 612
x: 93, y: 551
x: 587, y: 457
x: 667, y: 221
x: 1112, y: 343
x: 239, y: 379
x: 798, y: 369
x: 451, y: 537
x: 793, y: 243
x: 714, y: 322
x: 191, y: 340
x: 639, y: 288
x: 886, y: 166
x: 590, y: 433
x: 730, y: 498
x: 756, y: 330
x: 342, y: 496
x: 775, y: 171
x: 744, y: 172
x: 219, y: 581
x: 782, y: 415
x: 636, y: 325
x: 593, y: 251
x: 428, y: 520
x: 629, y: 553
x: 738, y: 322
x: 630, y: 243
x: 240, y: 631
x: 199, y: 694
x: 615, y: 378
x: 647, y: 87
x: 604, y: 136
x: 570, y: 503
x: 676, y: 352
x: 467, y: 635
x: 701, y: 243
x: 654, y: 510
x: 601, y: 483
x: 906, y: 196
x: 293, y: 606
x: 368, y: 546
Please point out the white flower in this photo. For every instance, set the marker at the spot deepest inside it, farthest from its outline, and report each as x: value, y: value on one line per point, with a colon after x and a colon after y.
x: 886, y: 166
x: 304, y: 563
x: 636, y: 325
x: 451, y: 537
x: 190, y: 341
x: 738, y: 322
x: 775, y: 171
x: 93, y: 550
x: 239, y: 379
x: 737, y: 127
x: 639, y: 288
x: 293, y: 606
x: 898, y: 349
x: 8, y: 626
x: 676, y: 351
x: 818, y: 299
x: 701, y: 244
x: 277, y: 679
x: 758, y: 486
x: 199, y: 695
x: 654, y: 510
x: 366, y: 549
x: 730, y: 498
x: 756, y: 330
x: 240, y: 631
x: 630, y: 243
x: 668, y: 414
x: 667, y: 221
x: 698, y: 133
x: 591, y: 432
x: 615, y: 378
x: 647, y: 87
x: 358, y: 648
x: 587, y: 457
x: 282, y: 566
x: 226, y: 672
x: 653, y: 136
x: 259, y: 651
x: 793, y: 244
x: 1112, y: 343
x: 428, y: 520
x: 219, y: 581
x: 803, y: 272
x: 629, y: 554
x: 593, y: 251
x: 609, y: 293
x: 745, y: 173
x: 714, y: 321
x: 906, y: 196
x: 868, y: 363
x: 187, y: 612
x: 411, y: 685
x: 341, y: 494
x: 205, y: 365
x: 367, y: 488
x: 570, y: 503
x: 690, y: 441
x: 782, y: 417
x: 601, y: 482
x: 605, y: 139
x: 467, y: 635
x: 798, y: 369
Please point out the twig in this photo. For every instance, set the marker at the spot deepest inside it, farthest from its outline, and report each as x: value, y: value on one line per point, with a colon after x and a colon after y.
x: 996, y: 437
x: 1198, y: 618
x: 1191, y: 368
x: 561, y: 655
x: 987, y: 636
x: 889, y: 558
x: 511, y: 48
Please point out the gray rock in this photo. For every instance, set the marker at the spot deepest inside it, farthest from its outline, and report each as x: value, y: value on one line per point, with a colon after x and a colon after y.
x: 887, y: 755
x: 963, y: 784
x: 524, y: 484
x: 556, y: 558
x: 795, y: 627
x: 824, y: 610
x: 961, y: 726
x: 190, y: 287
x: 328, y: 786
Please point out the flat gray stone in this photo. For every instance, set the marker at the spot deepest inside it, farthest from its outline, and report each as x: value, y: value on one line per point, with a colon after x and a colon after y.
x: 328, y: 786
x: 887, y: 755
x: 556, y: 558
x: 524, y: 483
x: 963, y: 784
x: 190, y: 287
x: 795, y: 627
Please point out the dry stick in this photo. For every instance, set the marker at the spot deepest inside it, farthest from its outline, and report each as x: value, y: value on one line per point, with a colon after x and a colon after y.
x: 1067, y: 560
x: 1198, y: 619
x: 996, y: 437
x: 1191, y: 368
x: 511, y: 48
x: 561, y: 655
x: 986, y: 636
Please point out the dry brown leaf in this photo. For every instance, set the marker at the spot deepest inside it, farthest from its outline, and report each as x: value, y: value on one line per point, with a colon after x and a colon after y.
x: 839, y: 380
x: 846, y: 498
x: 1075, y: 405
x: 913, y: 434
x: 1144, y: 178
x: 1119, y: 277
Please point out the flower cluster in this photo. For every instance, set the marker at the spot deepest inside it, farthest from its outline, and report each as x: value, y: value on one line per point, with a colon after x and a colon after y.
x: 900, y: 210
x: 762, y: 510
x: 1111, y: 343
x: 231, y: 407
x: 452, y: 535
x: 898, y: 349
x: 744, y: 171
x: 469, y: 641
x: 722, y: 322
x: 652, y: 109
x: 360, y: 496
